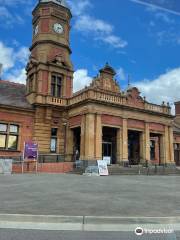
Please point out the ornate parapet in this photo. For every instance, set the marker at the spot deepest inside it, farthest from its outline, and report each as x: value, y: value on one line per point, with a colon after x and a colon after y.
x: 118, y: 99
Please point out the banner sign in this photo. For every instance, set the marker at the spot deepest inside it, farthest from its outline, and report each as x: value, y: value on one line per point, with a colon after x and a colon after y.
x: 103, y: 169
x: 107, y: 159
x: 30, y: 151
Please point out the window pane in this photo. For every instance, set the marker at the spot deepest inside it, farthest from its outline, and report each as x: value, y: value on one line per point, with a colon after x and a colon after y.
x: 2, y: 141
x: 53, y: 90
x: 53, y: 79
x: 12, y: 142
x: 58, y: 91
x: 53, y: 144
x: 13, y: 129
x: 58, y: 81
x: 54, y: 132
x: 3, y: 127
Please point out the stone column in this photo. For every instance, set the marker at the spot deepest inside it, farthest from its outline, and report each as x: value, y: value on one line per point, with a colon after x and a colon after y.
x: 82, y: 143
x: 90, y: 137
x: 166, y: 145
x: 162, y: 149
x: 98, y: 137
x: 124, y: 147
x: 147, y: 143
x: 69, y: 144
x: 119, y: 145
x: 171, y: 145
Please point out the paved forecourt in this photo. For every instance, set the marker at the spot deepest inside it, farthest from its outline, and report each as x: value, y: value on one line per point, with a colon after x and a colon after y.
x: 71, y: 202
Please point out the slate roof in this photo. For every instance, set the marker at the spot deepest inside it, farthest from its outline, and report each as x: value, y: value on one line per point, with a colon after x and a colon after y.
x: 13, y: 94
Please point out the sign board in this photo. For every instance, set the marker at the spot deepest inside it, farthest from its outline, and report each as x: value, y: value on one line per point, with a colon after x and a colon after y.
x: 6, y: 166
x: 107, y: 159
x: 103, y: 169
x: 92, y: 171
x: 31, y: 151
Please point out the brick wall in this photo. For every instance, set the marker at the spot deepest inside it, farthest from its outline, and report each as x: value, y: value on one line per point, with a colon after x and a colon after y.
x: 63, y: 167
x: 156, y: 127
x: 177, y: 108
x: 111, y: 120
x: 135, y: 124
x: 26, y: 124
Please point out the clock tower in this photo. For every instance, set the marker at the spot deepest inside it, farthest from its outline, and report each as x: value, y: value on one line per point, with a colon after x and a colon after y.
x: 50, y: 70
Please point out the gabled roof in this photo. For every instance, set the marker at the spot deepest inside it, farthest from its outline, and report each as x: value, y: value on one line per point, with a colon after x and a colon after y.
x: 13, y: 94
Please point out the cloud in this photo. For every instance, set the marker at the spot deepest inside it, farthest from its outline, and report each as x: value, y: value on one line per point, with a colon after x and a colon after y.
x: 81, y: 79
x: 98, y: 29
x: 8, y: 12
x: 79, y: 7
x: 86, y: 23
x: 17, y: 75
x: 14, y: 61
x: 166, y: 87
x: 121, y: 74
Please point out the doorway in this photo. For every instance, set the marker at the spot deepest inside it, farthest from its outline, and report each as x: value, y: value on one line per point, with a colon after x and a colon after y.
x: 133, y: 147
x: 109, y: 141
x: 76, y: 143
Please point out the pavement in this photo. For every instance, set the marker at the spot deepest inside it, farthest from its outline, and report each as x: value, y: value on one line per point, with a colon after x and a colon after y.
x: 72, y: 195
x: 89, y: 204
x: 71, y: 235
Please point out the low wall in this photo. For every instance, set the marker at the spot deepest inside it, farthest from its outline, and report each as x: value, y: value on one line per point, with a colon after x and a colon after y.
x: 62, y: 167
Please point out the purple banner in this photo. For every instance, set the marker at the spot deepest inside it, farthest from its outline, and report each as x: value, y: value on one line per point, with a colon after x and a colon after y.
x: 30, y: 151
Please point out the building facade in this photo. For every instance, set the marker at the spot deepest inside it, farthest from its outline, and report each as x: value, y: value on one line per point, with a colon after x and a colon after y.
x: 100, y: 120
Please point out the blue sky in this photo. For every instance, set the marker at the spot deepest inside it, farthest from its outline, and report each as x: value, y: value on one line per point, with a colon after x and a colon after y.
x: 133, y: 36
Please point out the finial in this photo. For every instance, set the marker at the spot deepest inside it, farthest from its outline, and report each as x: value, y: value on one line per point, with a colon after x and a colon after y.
x: 129, y: 80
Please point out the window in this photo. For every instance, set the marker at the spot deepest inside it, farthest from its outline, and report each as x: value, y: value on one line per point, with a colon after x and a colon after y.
x: 56, y: 86
x: 9, y: 136
x: 53, y: 140
x: 152, y: 150
x: 31, y: 83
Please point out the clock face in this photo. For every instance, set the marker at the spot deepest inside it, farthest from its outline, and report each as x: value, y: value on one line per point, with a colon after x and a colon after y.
x: 36, y: 30
x: 58, y: 28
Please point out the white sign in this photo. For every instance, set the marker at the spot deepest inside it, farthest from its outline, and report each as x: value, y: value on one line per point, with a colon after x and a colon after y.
x: 6, y: 165
x: 103, y: 169
x: 107, y: 159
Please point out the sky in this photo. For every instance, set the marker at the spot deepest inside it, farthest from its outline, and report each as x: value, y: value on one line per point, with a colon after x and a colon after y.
x: 139, y: 39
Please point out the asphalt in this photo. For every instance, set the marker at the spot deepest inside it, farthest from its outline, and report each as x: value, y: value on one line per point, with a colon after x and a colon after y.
x: 71, y: 195
x: 79, y: 203
x: 8, y: 234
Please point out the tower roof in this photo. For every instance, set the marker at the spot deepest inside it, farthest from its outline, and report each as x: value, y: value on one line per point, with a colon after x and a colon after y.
x: 59, y: 2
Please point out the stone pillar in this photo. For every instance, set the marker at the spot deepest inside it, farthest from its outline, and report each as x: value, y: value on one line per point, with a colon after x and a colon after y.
x: 98, y: 137
x: 124, y: 147
x: 147, y: 143
x: 166, y: 145
x: 90, y: 137
x: 119, y: 144
x: 171, y: 145
x: 162, y: 149
x: 69, y: 144
x: 82, y: 143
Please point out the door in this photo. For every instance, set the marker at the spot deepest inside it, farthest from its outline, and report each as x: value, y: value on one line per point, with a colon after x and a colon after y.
x: 107, y: 150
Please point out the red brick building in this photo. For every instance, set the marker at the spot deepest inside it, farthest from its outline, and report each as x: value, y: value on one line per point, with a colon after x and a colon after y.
x: 100, y: 120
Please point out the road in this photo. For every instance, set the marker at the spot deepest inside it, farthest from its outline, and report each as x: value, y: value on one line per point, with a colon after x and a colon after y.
x: 70, y: 235
x: 124, y: 196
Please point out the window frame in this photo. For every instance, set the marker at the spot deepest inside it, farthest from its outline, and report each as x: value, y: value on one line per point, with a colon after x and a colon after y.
x: 54, y: 137
x: 8, y: 134
x: 56, y: 85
